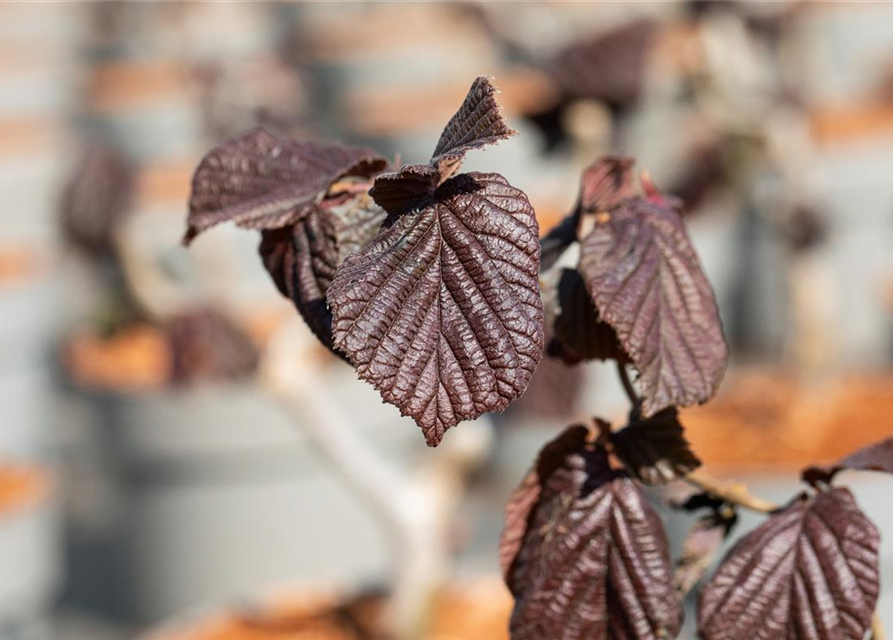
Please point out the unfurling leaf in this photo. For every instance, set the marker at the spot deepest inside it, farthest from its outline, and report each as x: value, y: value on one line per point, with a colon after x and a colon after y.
x: 310, y: 200
x: 646, y: 281
x: 704, y: 539
x: 441, y: 311
x: 577, y: 332
x: 654, y: 450
x: 261, y: 182
x: 583, y: 553
x: 605, y: 184
x: 810, y: 572
x: 303, y: 257
x: 874, y: 457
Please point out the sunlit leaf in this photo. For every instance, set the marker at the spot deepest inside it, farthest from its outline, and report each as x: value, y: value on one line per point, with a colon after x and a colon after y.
x: 647, y: 283
x: 261, y: 182
x: 583, y: 553
x: 874, y: 457
x: 810, y: 572
x: 441, y: 311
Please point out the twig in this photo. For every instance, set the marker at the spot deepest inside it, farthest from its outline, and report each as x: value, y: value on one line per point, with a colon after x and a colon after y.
x: 877, y: 627
x: 735, y: 494
x: 627, y: 384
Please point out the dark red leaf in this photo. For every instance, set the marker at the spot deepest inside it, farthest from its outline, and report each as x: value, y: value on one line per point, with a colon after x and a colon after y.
x: 207, y: 346
x: 442, y: 312
x: 605, y: 184
x: 95, y: 199
x: 646, y: 281
x: 874, y: 457
x: 302, y: 258
x: 261, y: 182
x: 654, y: 450
x: 577, y: 332
x: 583, y: 553
x: 704, y: 540
x: 810, y: 572
x: 609, y: 67
x: 477, y: 123
x: 556, y: 242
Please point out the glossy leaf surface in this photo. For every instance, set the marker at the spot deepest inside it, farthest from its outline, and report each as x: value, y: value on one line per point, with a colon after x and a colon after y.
x: 261, y: 182
x: 583, y: 553
x: 647, y: 283
x: 810, y: 572
x: 441, y: 312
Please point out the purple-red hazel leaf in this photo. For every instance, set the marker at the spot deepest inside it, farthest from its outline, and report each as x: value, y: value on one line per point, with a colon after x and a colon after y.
x: 610, y: 67
x: 441, y: 312
x: 583, y: 553
x: 302, y: 258
x: 654, y: 450
x: 207, y: 345
x: 477, y: 123
x: 95, y: 199
x: 647, y: 283
x: 874, y: 457
x: 577, y: 332
x: 261, y: 182
x: 810, y: 572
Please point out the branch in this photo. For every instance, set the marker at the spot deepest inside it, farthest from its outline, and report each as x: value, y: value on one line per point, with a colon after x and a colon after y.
x: 735, y: 494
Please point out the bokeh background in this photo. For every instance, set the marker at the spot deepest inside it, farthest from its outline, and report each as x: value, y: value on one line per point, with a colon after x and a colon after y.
x: 147, y: 474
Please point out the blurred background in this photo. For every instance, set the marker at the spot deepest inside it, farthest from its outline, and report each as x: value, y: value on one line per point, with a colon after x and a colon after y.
x: 146, y: 474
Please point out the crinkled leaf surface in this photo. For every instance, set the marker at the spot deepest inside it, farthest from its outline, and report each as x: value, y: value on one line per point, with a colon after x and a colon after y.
x: 810, y: 572
x: 874, y: 457
x: 646, y: 281
x: 261, y: 182
x: 441, y: 311
x: 654, y: 450
x: 477, y: 123
x: 592, y: 561
x: 303, y: 257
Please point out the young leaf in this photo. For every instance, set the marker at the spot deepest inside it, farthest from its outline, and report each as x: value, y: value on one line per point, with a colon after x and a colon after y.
x: 874, y: 457
x: 479, y: 122
x: 809, y: 572
x: 654, y: 450
x: 302, y: 258
x: 704, y: 539
x: 605, y: 184
x: 441, y: 312
x: 577, y: 332
x: 583, y: 553
x: 261, y: 182
x: 647, y: 283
